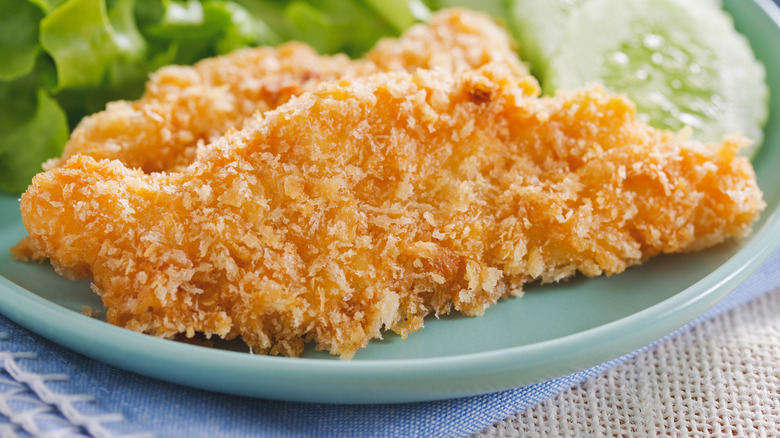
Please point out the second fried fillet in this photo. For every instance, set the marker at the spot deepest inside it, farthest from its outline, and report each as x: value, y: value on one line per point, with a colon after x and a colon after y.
x: 187, y: 106
x: 370, y: 203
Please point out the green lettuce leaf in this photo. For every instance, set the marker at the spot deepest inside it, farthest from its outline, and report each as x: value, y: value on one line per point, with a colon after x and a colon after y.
x: 240, y: 29
x: 270, y: 14
x: 400, y: 13
x: 192, y: 30
x: 18, y: 37
x: 184, y: 20
x: 33, y: 128
x: 92, y: 46
x: 47, y: 5
x: 497, y: 8
x: 332, y: 26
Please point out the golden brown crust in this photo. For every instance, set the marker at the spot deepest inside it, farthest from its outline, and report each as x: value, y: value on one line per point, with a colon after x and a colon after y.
x: 367, y: 204
x: 454, y: 40
x: 25, y: 251
x: 184, y: 107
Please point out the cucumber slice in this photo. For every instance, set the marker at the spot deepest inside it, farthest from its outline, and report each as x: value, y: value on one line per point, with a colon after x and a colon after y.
x: 681, y: 61
x: 539, y: 27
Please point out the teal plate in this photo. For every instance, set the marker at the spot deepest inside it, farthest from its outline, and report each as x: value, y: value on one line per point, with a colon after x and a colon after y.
x: 552, y: 331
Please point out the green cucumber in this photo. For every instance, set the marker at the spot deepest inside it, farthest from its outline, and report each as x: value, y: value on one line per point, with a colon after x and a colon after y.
x: 539, y: 27
x: 681, y: 61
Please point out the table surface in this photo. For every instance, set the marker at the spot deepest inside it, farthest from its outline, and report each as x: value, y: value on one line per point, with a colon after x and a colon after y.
x: 720, y: 378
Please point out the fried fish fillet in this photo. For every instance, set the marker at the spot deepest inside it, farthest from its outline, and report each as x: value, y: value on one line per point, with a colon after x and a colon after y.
x: 367, y: 204
x: 184, y: 106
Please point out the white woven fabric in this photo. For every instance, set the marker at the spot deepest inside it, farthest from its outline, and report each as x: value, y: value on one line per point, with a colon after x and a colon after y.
x: 721, y: 378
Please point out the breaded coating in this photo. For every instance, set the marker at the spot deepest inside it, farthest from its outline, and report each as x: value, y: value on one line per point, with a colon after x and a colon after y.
x: 370, y: 203
x: 454, y: 40
x: 184, y: 106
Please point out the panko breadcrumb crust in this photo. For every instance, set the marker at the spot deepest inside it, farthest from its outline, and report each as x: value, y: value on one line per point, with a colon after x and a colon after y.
x: 187, y: 106
x: 184, y: 108
x: 369, y: 203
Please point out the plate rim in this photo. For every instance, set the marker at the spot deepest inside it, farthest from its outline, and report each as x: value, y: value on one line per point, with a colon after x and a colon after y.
x: 20, y: 305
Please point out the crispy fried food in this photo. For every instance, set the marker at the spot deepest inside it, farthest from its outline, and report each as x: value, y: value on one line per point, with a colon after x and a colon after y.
x: 183, y: 107
x: 454, y: 40
x: 370, y: 203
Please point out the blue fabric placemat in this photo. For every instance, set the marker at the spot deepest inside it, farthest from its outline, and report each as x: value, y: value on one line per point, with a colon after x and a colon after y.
x: 46, y: 390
